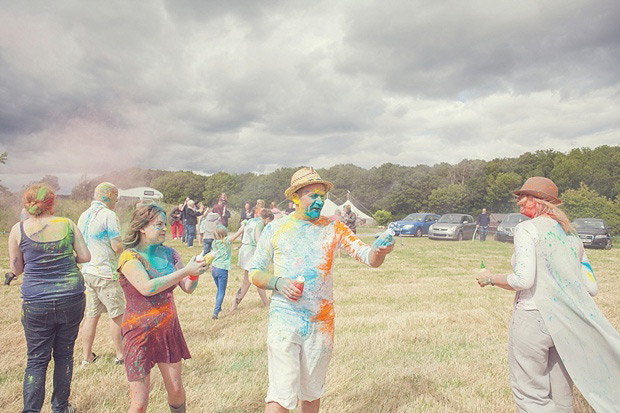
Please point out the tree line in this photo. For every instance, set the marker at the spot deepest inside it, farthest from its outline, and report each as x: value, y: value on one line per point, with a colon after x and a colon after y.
x: 588, y: 181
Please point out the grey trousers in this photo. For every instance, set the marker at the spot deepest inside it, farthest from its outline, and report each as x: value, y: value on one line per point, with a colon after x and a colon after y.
x: 538, y: 379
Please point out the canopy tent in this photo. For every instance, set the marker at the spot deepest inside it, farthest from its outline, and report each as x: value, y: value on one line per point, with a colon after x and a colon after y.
x: 329, y: 208
x: 367, y: 219
x: 141, y: 192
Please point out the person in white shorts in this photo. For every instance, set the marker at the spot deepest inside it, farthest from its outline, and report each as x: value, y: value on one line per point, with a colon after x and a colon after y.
x: 300, y: 335
x: 101, y: 229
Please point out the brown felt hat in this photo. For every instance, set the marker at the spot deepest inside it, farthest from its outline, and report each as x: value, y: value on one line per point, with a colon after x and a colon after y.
x: 540, y: 187
x: 304, y: 177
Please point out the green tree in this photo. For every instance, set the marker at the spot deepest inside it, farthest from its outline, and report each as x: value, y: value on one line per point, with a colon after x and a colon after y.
x: 176, y: 186
x: 587, y: 203
x: 499, y: 196
x: 218, y: 183
x: 382, y: 217
x: 51, y: 180
x: 84, y: 189
x: 446, y: 199
x: 3, y: 158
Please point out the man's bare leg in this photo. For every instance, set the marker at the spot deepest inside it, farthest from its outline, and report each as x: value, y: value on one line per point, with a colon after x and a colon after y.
x: 273, y: 407
x: 309, y: 407
x: 89, y: 328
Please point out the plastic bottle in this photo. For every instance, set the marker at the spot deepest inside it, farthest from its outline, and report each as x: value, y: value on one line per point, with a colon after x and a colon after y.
x: 482, y: 267
x: 299, y: 282
x: 385, y: 239
x: 208, y: 259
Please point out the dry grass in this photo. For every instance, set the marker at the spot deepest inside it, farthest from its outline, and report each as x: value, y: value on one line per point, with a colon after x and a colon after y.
x: 416, y: 335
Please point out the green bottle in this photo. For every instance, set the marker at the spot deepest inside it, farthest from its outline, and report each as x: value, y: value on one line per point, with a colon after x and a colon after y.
x: 482, y: 267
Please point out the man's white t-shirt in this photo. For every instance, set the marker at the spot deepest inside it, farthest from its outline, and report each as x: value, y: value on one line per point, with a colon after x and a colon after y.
x: 99, y: 225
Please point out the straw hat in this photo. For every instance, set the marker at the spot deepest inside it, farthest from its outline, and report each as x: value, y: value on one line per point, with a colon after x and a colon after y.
x: 304, y: 177
x: 540, y: 187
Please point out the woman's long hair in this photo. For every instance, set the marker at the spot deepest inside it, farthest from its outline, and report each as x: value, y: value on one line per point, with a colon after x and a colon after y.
x: 554, y: 211
x: 141, y: 217
x: 38, y: 199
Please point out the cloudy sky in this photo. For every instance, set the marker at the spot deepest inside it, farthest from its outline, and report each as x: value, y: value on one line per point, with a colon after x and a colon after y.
x: 238, y: 86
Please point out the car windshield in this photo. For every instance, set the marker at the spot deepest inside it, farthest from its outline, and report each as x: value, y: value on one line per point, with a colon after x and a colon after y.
x: 589, y: 224
x: 514, y: 219
x: 451, y: 218
x: 414, y: 217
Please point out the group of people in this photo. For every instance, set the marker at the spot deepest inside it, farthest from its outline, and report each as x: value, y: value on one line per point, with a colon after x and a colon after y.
x: 557, y: 333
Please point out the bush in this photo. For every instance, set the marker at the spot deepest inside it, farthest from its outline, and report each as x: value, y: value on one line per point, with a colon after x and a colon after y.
x: 382, y: 217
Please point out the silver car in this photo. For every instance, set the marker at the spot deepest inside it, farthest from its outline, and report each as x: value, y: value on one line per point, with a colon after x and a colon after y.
x: 453, y: 226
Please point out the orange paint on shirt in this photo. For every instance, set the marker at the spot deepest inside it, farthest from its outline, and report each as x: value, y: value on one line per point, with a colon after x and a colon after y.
x: 325, y: 316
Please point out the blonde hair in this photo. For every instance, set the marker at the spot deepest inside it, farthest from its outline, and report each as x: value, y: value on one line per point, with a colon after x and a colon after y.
x: 220, y: 232
x: 141, y: 217
x: 554, y: 211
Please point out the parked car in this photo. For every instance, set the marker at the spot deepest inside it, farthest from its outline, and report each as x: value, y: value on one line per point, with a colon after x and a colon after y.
x: 592, y: 232
x: 506, y: 229
x: 453, y: 226
x: 414, y: 224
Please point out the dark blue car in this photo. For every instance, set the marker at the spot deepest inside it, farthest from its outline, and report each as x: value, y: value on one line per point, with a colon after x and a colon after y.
x: 414, y: 225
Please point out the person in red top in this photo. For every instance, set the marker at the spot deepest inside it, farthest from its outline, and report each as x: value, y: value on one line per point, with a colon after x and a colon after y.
x: 148, y: 274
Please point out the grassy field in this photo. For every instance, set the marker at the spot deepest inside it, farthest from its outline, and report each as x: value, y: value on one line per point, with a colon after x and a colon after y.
x: 416, y: 335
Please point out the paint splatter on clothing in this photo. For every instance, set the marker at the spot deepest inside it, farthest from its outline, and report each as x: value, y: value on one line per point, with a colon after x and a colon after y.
x: 561, y: 289
x: 50, y: 270
x: 221, y: 248
x: 151, y: 331
x: 305, y: 248
x: 99, y: 225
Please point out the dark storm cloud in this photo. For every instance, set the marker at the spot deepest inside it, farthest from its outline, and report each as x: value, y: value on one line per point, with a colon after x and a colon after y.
x: 249, y: 85
x: 468, y: 49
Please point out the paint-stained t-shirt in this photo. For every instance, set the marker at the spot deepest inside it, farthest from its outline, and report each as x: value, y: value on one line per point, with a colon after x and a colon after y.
x: 221, y: 248
x: 299, y: 247
x: 99, y: 225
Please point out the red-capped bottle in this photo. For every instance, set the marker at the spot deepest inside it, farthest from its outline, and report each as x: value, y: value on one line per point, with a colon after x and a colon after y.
x: 299, y: 282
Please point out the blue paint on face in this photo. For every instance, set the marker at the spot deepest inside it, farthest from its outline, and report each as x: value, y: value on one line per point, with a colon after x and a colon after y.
x: 313, y: 211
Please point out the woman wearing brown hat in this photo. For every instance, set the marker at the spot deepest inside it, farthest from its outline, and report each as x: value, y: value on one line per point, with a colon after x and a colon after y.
x: 557, y: 333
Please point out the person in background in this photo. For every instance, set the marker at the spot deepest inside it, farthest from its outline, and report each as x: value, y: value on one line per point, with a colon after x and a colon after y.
x: 350, y: 219
x: 191, y: 219
x: 221, y: 264
x: 184, y: 220
x: 47, y: 249
x: 482, y: 224
x: 221, y: 207
x: 176, y: 224
x: 557, y: 335
x: 101, y: 229
x: 149, y: 272
x: 276, y: 212
x: 290, y: 208
x: 251, y: 233
x: 209, y: 222
x: 200, y: 231
x: 247, y: 213
x: 260, y: 204
x: 300, y: 335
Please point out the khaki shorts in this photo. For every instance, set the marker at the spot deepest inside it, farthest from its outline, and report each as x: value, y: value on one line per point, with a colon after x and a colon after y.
x: 297, y: 361
x: 103, y: 295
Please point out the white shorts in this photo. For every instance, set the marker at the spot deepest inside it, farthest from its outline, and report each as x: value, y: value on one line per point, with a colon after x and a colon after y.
x: 298, y: 355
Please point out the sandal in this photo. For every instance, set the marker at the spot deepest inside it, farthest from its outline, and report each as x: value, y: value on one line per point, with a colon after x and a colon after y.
x: 86, y: 362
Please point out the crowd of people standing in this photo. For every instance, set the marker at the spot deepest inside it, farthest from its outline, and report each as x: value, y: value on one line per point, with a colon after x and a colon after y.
x: 557, y: 335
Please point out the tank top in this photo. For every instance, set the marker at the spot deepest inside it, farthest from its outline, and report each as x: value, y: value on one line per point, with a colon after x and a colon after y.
x: 50, y: 270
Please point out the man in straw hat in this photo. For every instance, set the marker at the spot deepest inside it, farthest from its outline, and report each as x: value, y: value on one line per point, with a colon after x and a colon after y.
x: 301, y: 247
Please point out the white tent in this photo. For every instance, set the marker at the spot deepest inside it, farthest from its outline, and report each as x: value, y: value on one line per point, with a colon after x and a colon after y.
x: 368, y: 220
x: 142, y: 192
x: 329, y: 208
